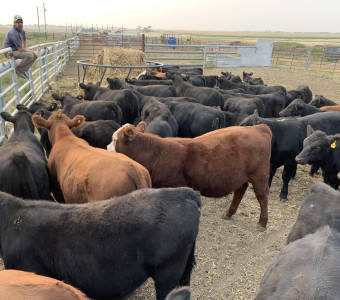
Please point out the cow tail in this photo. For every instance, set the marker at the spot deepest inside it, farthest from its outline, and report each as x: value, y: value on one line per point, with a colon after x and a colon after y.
x: 21, y: 161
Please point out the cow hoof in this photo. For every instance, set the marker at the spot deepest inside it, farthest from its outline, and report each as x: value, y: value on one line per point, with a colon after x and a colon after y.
x: 261, y: 228
x: 283, y: 199
x: 226, y: 216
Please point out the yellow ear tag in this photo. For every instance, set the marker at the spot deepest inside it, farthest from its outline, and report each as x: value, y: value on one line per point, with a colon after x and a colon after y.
x: 333, y: 145
x: 52, y: 107
x: 78, y: 121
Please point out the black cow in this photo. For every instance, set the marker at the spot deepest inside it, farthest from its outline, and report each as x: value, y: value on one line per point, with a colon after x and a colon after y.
x: 320, y: 149
x: 44, y: 111
x: 201, y: 80
x: 321, y: 207
x: 124, y: 98
x: 194, y: 119
x: 243, y: 105
x: 206, y: 96
x: 231, y: 77
x: 302, y: 92
x: 23, y: 165
x: 156, y: 90
x: 319, y: 101
x: 299, y: 108
x: 97, y: 133
x: 38, y: 105
x: 182, y: 293
x: 182, y: 71
x: 308, y: 268
x: 247, y: 78
x: 273, y: 102
x: 226, y: 84
x: 287, y: 140
x: 92, y: 111
x: 105, y: 248
x: 159, y: 119
x: 140, y: 82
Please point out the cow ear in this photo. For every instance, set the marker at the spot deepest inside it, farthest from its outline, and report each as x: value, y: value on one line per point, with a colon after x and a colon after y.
x: 334, y: 141
x: 141, y: 126
x: 21, y: 107
x: 128, y: 134
x: 39, y: 122
x: 76, y: 121
x: 83, y: 86
x: 56, y: 97
x: 256, y: 119
x: 310, y: 130
x: 52, y: 106
x: 80, y: 97
x: 7, y: 117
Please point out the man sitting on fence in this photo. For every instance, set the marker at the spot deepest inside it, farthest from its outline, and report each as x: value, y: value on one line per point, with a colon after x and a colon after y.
x: 16, y: 39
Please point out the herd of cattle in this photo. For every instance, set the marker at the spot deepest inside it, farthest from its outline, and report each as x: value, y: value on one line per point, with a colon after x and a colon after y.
x: 110, y: 195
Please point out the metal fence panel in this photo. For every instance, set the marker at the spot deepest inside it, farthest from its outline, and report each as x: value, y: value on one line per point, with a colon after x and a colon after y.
x: 52, y: 57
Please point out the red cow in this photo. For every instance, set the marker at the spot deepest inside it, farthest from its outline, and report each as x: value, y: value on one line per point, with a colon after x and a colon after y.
x: 20, y: 285
x: 157, y: 73
x: 216, y: 164
x: 331, y: 108
x: 81, y: 173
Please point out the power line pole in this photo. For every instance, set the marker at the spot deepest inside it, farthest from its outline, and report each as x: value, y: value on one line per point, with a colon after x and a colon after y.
x: 38, y: 19
x: 45, y: 20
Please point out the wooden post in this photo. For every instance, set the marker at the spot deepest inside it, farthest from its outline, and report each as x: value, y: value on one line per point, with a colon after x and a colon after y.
x: 143, y: 42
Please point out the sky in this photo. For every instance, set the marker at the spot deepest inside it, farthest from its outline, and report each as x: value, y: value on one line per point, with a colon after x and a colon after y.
x: 202, y: 15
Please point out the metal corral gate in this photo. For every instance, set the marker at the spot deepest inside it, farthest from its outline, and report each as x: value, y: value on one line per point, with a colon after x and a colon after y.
x: 52, y: 57
x: 219, y: 56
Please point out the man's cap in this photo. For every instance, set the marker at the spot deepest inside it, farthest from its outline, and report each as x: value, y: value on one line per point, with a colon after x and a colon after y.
x: 17, y: 17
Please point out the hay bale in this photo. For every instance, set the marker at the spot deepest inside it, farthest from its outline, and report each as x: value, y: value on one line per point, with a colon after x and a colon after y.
x: 115, y: 57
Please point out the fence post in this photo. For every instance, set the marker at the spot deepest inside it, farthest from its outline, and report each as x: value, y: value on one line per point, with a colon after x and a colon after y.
x: 143, y: 42
x: 15, y: 80
x: 291, y: 62
x: 204, y: 55
x: 55, y: 59
x: 321, y: 64
x: 334, y: 66
x: 40, y: 71
x: 307, y: 62
x: 277, y: 58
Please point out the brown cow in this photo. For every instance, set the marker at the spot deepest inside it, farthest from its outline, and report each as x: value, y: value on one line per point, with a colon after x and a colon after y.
x: 216, y: 164
x: 331, y: 108
x: 157, y: 73
x: 86, y: 173
x: 20, y: 285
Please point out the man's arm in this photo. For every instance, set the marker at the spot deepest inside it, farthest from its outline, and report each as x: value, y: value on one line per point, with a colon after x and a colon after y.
x: 23, y: 49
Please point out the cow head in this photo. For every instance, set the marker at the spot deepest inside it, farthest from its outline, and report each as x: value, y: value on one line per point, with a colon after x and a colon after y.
x: 21, y: 120
x: 55, y: 121
x: 89, y: 89
x: 317, y: 146
x: 295, y: 108
x: 112, y: 146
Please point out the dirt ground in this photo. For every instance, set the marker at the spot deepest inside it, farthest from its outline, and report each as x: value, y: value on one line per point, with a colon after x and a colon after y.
x: 232, y: 256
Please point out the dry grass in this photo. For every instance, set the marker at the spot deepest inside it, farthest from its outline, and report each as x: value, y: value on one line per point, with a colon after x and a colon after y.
x: 115, y: 57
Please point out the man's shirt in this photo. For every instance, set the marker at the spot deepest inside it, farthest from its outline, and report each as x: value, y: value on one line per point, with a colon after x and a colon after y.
x: 14, y: 38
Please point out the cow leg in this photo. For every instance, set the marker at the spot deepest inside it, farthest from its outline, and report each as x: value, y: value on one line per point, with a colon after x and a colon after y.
x: 238, y: 194
x: 169, y: 274
x: 288, y: 172
x: 272, y: 173
x: 185, y: 279
x: 261, y: 190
